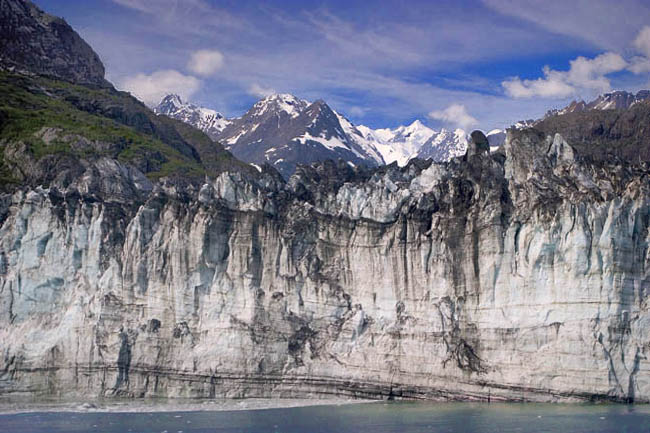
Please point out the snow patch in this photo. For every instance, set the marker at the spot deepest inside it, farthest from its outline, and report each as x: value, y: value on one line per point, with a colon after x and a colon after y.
x: 399, y: 144
x: 330, y: 143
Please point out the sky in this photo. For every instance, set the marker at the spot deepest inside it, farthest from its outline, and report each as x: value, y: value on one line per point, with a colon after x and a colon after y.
x: 472, y: 64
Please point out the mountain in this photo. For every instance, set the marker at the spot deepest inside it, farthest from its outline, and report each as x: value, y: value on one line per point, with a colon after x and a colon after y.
x: 205, y: 119
x: 399, y: 144
x: 610, y: 127
x: 354, y: 134
x: 139, y: 259
x: 614, y: 126
x: 419, y: 141
x: 62, y: 124
x: 39, y: 43
x: 285, y: 131
x: 281, y: 130
x: 618, y: 100
x: 443, y: 145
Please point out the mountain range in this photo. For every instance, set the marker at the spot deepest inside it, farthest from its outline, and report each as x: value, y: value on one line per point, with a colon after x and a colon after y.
x: 611, y: 127
x: 618, y: 100
x: 284, y: 131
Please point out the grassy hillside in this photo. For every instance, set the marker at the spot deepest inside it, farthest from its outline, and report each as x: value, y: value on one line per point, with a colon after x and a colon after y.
x: 43, y: 118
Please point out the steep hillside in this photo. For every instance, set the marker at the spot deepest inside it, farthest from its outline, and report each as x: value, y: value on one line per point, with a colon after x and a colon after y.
x: 605, y: 134
x: 39, y: 43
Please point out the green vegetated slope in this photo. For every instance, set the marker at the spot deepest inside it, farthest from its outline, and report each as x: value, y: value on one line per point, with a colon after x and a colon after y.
x: 47, y: 124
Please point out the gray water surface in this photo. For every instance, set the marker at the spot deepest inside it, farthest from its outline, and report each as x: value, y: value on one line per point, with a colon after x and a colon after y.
x: 403, y: 417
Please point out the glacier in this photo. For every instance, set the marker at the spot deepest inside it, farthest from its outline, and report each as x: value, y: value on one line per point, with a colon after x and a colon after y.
x: 518, y: 275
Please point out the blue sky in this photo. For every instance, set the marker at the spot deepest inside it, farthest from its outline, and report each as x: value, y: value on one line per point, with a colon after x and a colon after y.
x: 483, y: 64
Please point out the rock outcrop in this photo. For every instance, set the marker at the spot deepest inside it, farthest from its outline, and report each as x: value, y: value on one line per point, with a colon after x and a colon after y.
x: 519, y: 275
x: 478, y: 145
x: 606, y: 134
x: 36, y: 42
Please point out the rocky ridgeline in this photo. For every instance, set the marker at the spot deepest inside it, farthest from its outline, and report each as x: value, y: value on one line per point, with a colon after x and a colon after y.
x: 516, y: 275
x: 39, y: 43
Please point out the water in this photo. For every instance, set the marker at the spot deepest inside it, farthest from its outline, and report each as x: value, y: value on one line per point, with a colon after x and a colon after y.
x: 354, y: 418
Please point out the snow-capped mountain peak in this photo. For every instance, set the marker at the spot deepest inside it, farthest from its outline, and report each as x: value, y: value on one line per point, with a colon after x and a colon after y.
x: 169, y: 103
x: 415, y: 132
x: 284, y: 131
x: 209, y: 121
x: 444, y: 145
x: 280, y: 102
x: 399, y: 144
x: 618, y: 100
x: 361, y: 144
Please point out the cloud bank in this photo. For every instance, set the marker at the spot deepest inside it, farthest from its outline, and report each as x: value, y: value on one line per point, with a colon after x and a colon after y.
x: 583, y: 74
x: 205, y: 62
x: 641, y: 64
x: 396, y: 61
x: 455, y: 114
x: 151, y: 88
x: 259, y: 91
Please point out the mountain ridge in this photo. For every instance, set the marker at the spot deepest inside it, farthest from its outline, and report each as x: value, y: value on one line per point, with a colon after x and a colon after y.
x: 209, y: 121
x: 620, y: 100
x: 36, y: 42
x: 282, y: 143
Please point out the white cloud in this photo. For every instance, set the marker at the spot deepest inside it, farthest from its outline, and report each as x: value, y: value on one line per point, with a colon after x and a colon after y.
x: 583, y: 74
x: 553, y: 85
x: 641, y: 64
x: 356, y: 111
x: 182, y: 16
x: 455, y: 114
x: 642, y: 41
x: 205, y: 62
x: 590, y: 73
x: 139, y: 5
x: 259, y: 91
x: 602, y: 23
x: 150, y: 89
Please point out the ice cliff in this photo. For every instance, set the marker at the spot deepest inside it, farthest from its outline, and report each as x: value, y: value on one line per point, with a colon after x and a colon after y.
x: 520, y: 275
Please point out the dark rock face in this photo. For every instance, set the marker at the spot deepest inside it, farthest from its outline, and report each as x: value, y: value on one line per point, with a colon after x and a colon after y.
x: 478, y: 144
x: 605, y: 134
x: 38, y: 43
x: 614, y: 125
x: 618, y: 100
